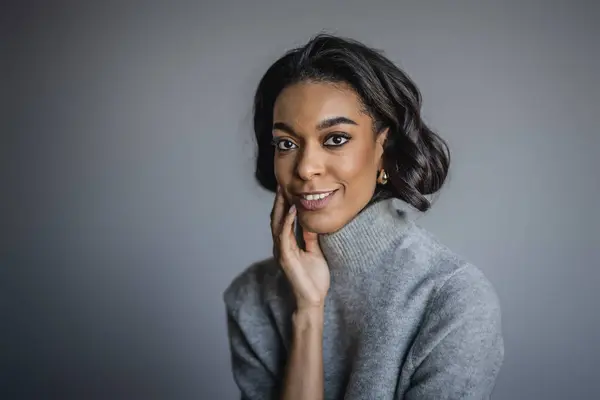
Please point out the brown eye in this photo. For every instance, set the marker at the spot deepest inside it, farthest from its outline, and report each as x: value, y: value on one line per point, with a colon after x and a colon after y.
x: 336, y: 140
x: 285, y: 145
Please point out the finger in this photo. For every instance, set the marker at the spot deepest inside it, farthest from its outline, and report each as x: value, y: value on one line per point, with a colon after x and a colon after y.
x: 278, y: 212
x: 295, y: 273
x: 272, y: 219
x: 287, y: 239
x: 311, y: 242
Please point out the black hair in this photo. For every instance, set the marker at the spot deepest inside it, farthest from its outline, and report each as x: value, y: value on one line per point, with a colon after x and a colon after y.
x: 416, y: 158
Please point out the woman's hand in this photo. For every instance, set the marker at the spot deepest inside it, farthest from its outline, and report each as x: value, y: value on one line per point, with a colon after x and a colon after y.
x: 306, y: 270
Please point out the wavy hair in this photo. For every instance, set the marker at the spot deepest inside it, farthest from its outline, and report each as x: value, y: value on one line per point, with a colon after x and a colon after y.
x: 416, y: 158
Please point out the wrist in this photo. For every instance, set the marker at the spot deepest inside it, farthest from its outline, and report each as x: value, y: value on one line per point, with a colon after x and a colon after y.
x: 309, y: 317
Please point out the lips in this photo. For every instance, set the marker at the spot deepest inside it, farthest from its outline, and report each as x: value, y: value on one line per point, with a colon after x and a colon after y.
x: 315, y: 201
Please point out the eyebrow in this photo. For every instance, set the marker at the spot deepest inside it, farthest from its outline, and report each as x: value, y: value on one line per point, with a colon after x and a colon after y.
x: 327, y: 123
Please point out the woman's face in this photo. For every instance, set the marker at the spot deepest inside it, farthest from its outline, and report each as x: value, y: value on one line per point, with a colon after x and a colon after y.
x: 326, y: 154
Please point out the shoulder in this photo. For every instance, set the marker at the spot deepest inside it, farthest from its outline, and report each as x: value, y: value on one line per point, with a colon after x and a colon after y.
x: 253, y: 286
x: 467, y: 294
x: 460, y: 331
x: 460, y: 289
x: 454, y: 283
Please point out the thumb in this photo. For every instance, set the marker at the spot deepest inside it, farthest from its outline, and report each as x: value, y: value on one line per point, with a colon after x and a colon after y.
x: 311, y: 242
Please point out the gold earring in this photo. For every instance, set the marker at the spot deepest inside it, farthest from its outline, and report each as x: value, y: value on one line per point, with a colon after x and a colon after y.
x: 382, y: 179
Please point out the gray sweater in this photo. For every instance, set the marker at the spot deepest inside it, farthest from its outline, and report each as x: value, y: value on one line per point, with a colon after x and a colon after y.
x: 405, y: 318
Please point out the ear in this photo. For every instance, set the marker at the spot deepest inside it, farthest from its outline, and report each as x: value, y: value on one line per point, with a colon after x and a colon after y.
x: 379, y: 143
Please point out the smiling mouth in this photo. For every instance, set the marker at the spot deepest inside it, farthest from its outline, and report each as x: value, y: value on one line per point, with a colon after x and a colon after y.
x: 315, y: 201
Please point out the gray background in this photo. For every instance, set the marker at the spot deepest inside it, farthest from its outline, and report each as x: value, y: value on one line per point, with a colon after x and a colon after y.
x: 128, y: 202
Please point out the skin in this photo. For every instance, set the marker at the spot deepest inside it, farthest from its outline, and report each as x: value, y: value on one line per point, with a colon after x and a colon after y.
x: 308, y: 159
x: 344, y: 157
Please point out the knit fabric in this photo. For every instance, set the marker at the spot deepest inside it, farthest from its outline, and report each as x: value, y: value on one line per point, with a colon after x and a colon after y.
x: 405, y: 317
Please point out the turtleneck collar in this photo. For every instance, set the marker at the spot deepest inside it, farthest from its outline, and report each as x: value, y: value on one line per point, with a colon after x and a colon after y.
x: 364, y: 241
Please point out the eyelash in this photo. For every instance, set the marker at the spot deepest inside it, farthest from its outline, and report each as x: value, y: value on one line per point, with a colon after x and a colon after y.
x: 277, y: 141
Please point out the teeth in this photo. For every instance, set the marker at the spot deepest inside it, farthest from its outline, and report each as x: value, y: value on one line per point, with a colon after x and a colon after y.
x: 316, y: 196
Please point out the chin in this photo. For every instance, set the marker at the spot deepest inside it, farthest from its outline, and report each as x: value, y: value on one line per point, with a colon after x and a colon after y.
x: 321, y: 224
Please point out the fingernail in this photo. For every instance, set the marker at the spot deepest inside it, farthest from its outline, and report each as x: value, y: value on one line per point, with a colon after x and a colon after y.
x: 292, y: 208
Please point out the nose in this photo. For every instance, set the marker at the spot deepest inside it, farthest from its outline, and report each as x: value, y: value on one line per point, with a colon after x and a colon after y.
x: 310, y: 163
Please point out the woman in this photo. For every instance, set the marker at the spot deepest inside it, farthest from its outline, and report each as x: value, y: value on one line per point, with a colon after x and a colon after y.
x: 368, y: 305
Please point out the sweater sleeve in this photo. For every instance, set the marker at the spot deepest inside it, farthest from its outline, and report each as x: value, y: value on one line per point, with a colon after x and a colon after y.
x: 252, y: 377
x: 253, y: 341
x: 459, y: 349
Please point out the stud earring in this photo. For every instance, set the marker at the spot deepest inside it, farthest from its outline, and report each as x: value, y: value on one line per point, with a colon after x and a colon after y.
x: 382, y: 179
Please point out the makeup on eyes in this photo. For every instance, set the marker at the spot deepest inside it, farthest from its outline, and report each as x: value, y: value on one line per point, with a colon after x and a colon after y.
x: 276, y: 141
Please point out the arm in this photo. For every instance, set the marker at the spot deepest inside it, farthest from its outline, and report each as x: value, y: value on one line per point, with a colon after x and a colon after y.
x: 459, y: 349
x: 255, y: 357
x: 256, y: 353
x: 304, y: 372
x: 307, y: 272
x: 252, y: 360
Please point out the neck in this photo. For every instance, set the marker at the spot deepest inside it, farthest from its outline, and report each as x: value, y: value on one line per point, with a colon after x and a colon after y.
x: 365, y: 241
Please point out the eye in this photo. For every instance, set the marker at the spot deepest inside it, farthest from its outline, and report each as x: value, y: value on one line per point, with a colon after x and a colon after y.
x: 284, y: 144
x: 337, y: 139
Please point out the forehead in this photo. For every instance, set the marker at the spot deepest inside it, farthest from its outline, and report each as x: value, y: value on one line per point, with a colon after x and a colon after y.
x: 310, y: 102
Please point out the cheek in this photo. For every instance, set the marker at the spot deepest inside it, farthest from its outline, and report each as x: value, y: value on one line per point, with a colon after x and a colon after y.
x: 355, y: 167
x: 283, y: 169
